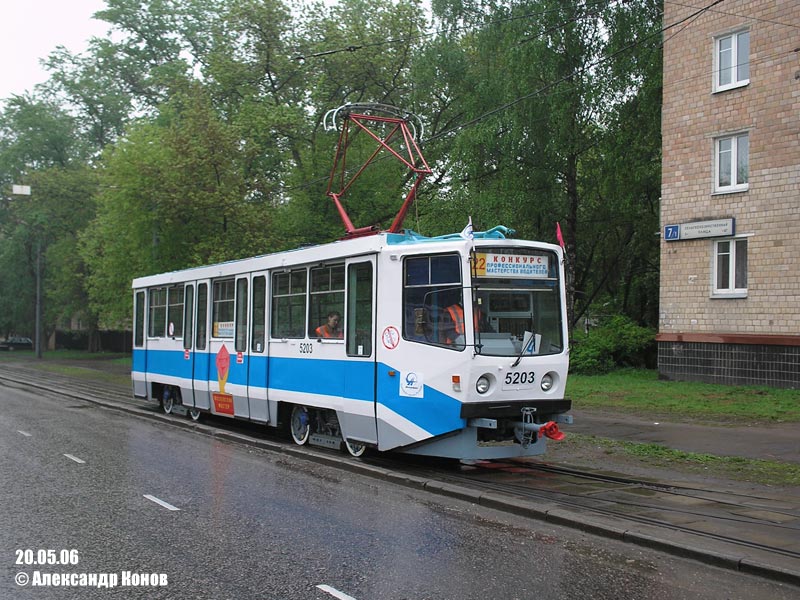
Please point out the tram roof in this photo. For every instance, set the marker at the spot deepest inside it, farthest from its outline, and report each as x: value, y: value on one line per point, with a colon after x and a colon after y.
x: 304, y: 255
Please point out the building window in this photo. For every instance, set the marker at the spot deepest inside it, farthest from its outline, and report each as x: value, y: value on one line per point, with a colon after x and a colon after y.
x: 732, y: 172
x: 730, y: 267
x: 732, y: 56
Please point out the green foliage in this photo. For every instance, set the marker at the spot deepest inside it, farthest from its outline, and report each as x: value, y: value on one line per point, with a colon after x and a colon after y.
x: 40, y: 147
x: 173, y: 195
x: 202, y: 124
x: 555, y: 134
x: 619, y: 342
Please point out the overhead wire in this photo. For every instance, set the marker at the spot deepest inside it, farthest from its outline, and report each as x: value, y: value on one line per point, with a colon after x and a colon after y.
x: 549, y: 86
x: 737, y: 15
x: 603, y: 3
x: 355, y: 47
x: 572, y: 74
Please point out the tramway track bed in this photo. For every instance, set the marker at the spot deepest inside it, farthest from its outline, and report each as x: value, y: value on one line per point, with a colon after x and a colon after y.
x: 687, y: 509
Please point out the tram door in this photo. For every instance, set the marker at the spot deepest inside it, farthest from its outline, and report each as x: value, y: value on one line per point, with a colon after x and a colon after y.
x: 257, y: 362
x: 200, y: 363
x: 187, y: 393
x: 228, y: 346
x: 359, y: 372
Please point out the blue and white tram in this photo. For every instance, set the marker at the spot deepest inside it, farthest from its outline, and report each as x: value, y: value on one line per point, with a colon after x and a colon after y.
x: 448, y: 347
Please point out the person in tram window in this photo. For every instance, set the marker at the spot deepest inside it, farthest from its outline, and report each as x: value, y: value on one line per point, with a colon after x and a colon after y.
x: 331, y: 329
x: 454, y: 323
x: 453, y: 326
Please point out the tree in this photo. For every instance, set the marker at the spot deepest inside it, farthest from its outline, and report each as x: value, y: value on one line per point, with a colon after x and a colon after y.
x: 39, y: 146
x: 172, y: 196
x: 355, y: 52
x: 540, y: 95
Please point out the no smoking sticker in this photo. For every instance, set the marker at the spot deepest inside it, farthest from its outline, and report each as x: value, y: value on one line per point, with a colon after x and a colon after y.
x: 390, y: 337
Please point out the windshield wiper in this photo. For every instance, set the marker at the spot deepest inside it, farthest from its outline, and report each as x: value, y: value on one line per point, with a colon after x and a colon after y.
x: 524, y: 348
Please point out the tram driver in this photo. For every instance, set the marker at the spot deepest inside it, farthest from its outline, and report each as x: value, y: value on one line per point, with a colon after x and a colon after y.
x: 454, y: 329
x: 331, y: 329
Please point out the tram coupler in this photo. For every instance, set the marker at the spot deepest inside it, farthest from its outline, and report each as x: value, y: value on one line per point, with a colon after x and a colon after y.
x: 549, y: 429
x: 528, y: 431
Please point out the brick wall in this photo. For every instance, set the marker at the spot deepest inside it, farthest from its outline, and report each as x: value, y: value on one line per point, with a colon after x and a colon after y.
x: 769, y: 211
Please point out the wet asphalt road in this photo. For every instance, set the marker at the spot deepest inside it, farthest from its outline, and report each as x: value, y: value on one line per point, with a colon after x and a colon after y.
x: 253, y: 524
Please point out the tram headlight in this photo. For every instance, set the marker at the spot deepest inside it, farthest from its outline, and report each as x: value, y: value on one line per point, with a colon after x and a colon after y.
x: 547, y: 382
x: 482, y: 385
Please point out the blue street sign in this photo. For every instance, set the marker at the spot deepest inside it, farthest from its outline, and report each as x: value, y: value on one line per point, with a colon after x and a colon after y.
x: 672, y: 233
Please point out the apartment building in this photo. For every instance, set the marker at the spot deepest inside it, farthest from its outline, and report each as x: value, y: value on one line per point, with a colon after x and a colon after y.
x: 730, y: 205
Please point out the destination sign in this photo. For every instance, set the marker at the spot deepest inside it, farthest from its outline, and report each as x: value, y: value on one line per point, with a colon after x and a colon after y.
x: 521, y: 266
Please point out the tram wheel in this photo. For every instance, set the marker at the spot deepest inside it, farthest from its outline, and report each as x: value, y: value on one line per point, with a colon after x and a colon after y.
x: 355, y: 449
x: 300, y: 425
x: 168, y: 402
x: 195, y: 414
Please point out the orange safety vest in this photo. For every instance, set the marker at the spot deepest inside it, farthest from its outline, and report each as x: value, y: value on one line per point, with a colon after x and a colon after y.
x: 456, y: 313
x: 324, y: 331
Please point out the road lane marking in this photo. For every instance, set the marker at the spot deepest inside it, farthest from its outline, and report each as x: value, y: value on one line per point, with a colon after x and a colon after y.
x: 25, y: 433
x: 166, y: 505
x: 76, y: 459
x: 334, y: 592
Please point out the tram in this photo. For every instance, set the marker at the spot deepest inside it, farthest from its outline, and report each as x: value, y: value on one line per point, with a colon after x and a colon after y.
x: 451, y: 346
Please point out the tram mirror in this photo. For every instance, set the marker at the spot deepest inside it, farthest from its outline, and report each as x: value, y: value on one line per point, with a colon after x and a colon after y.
x: 419, y: 321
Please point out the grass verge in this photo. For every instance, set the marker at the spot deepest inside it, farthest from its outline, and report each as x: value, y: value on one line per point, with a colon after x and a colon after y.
x: 764, y: 472
x: 641, y: 392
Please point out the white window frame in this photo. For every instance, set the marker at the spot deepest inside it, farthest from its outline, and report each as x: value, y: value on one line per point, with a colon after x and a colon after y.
x: 732, y: 157
x: 735, y: 61
x: 716, y: 249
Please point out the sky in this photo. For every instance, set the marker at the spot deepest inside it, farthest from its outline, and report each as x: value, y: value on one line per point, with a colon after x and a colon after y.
x: 31, y: 31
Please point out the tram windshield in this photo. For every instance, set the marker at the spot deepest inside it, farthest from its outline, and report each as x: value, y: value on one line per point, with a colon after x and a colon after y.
x: 516, y: 302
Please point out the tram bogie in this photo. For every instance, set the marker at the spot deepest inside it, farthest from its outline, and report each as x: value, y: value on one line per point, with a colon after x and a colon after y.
x: 442, y: 346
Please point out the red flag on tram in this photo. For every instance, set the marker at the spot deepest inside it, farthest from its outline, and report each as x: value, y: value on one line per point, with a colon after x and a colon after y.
x: 559, y: 237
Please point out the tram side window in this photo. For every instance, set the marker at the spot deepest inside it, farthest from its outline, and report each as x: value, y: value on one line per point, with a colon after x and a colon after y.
x: 327, y: 297
x: 188, y: 313
x: 241, y: 315
x: 202, y: 316
x: 259, y: 313
x: 138, y: 340
x: 432, y: 284
x: 175, y: 311
x: 222, y: 309
x: 158, y: 312
x: 359, y: 309
x: 289, y: 304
